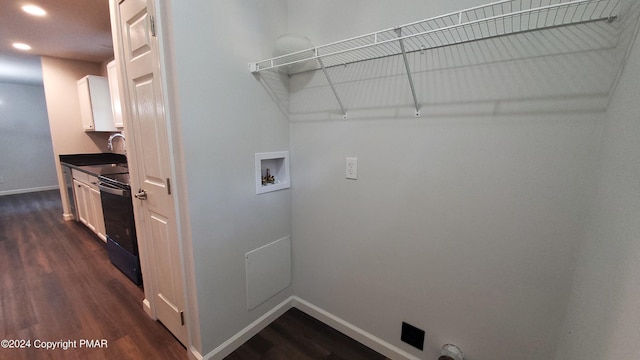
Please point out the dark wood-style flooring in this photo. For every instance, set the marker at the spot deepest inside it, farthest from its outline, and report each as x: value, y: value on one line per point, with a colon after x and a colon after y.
x: 297, y: 336
x: 57, y: 284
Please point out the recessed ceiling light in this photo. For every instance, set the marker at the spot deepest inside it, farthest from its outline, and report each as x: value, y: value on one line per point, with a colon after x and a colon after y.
x: 34, y: 10
x: 21, y: 46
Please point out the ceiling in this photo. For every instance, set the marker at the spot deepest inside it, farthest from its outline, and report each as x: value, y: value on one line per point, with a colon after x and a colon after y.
x: 72, y: 29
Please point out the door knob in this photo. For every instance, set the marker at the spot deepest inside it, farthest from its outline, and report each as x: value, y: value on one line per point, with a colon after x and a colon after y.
x: 142, y: 195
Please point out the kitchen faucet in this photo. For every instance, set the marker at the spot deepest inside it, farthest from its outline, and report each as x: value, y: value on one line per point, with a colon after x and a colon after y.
x: 110, y: 141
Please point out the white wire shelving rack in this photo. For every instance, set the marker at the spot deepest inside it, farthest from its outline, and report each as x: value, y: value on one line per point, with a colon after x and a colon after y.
x: 496, y: 19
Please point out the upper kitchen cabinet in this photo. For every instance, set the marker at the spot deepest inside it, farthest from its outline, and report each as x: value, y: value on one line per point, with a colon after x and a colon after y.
x: 95, y: 104
x: 114, y: 89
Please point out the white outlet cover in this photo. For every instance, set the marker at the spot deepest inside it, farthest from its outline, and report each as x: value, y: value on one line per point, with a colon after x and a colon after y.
x: 351, y: 168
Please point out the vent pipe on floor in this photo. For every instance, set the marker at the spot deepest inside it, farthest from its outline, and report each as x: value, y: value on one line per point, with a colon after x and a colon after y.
x: 450, y: 352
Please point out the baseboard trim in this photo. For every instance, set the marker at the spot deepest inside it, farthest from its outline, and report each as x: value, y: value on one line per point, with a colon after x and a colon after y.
x: 146, y: 306
x: 310, y: 309
x: 29, y: 190
x: 248, y: 332
x: 194, y: 354
x: 68, y: 217
x: 352, y: 331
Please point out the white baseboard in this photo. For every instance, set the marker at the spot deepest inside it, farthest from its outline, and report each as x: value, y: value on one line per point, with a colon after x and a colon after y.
x: 352, y: 331
x: 146, y: 306
x: 68, y: 217
x: 29, y: 190
x: 194, y: 354
x: 248, y: 332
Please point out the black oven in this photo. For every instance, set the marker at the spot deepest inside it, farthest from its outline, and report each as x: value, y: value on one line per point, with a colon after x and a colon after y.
x: 117, y: 207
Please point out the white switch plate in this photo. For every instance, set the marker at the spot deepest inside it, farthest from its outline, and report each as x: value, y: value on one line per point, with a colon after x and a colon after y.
x: 351, y: 168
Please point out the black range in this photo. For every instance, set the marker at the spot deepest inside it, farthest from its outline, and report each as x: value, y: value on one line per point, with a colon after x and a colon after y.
x: 117, y: 207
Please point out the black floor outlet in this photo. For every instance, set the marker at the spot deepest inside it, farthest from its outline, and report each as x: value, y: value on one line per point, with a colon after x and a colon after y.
x: 412, y: 335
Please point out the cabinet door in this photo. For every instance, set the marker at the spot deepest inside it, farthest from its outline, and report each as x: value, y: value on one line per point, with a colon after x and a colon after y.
x: 114, y: 90
x: 95, y: 104
x: 86, y: 112
x: 98, y: 221
x: 82, y: 197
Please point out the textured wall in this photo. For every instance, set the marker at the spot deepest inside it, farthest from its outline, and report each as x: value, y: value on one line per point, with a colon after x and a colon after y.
x: 464, y: 222
x: 225, y: 116
x: 61, y: 93
x: 25, y: 141
x: 603, y: 316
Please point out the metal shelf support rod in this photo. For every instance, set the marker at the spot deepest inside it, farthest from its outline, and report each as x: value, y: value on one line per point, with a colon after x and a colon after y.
x: 406, y: 66
x: 335, y: 93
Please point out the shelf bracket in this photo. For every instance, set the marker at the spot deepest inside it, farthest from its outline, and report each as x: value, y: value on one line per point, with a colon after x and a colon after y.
x: 406, y: 66
x: 335, y: 93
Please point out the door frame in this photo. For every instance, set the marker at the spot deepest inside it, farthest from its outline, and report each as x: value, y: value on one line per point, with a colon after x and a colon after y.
x: 159, y: 9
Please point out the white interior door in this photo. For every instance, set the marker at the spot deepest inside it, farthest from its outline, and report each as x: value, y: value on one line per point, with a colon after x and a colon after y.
x: 148, y: 126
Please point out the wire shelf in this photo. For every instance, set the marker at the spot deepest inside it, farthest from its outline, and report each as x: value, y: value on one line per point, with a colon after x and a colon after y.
x: 492, y: 20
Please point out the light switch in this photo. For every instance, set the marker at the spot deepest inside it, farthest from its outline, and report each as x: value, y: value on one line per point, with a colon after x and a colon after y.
x: 351, y: 169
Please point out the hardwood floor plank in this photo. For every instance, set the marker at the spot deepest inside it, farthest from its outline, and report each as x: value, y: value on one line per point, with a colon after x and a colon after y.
x: 14, y: 310
x: 56, y: 283
x: 298, y: 336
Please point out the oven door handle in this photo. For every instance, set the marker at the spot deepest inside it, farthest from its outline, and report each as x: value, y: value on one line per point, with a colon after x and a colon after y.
x: 113, y: 191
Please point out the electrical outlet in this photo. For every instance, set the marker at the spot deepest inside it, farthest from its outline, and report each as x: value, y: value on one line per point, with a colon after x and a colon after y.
x: 1, y: 179
x: 351, y: 168
x: 412, y: 336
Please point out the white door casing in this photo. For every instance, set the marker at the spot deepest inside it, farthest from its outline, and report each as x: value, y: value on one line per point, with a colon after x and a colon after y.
x: 146, y: 130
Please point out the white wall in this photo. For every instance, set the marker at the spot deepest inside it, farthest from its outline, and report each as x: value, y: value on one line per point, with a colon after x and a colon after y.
x: 464, y: 227
x: 603, y: 314
x: 25, y: 141
x: 61, y: 93
x: 223, y: 117
x: 464, y: 222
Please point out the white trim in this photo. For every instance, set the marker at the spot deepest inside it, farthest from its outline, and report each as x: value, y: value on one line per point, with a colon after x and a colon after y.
x: 352, y: 331
x: 308, y: 308
x: 29, y: 190
x: 166, y: 64
x: 146, y: 306
x: 68, y: 217
x: 248, y: 332
x: 194, y: 354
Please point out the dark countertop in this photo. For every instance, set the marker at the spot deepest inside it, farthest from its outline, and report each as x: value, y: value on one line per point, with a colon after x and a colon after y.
x: 93, y: 159
x: 105, y: 169
x: 96, y: 164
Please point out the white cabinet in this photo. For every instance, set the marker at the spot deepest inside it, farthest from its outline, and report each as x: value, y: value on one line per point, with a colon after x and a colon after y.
x: 95, y: 104
x: 81, y: 190
x: 88, y: 202
x: 114, y: 90
x: 98, y: 222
